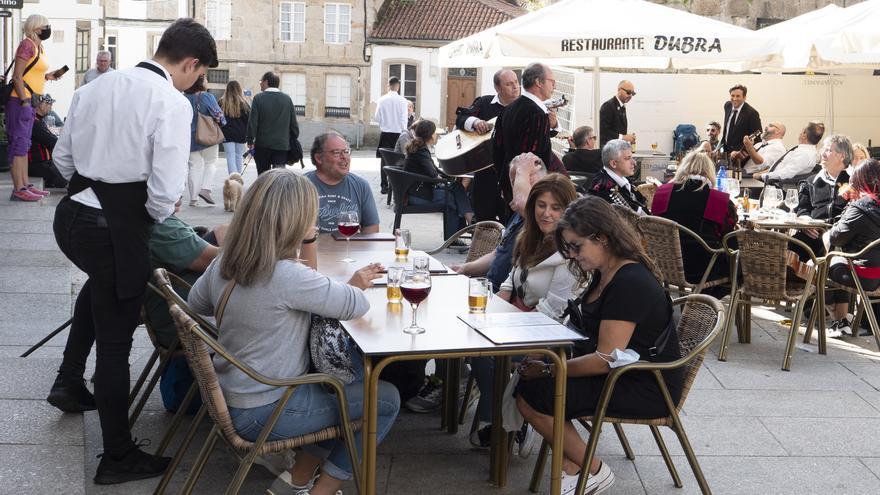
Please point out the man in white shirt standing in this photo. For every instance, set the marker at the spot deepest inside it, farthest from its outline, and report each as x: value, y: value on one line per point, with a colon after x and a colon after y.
x: 391, y: 114
x: 124, y: 150
x: 767, y: 152
x: 800, y: 160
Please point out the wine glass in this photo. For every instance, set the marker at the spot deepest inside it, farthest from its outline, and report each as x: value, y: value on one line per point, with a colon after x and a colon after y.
x: 791, y: 200
x: 415, y: 288
x: 732, y: 187
x: 773, y: 197
x: 348, y: 224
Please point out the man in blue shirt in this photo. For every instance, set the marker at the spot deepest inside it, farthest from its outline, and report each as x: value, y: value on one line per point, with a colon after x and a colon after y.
x: 338, y: 189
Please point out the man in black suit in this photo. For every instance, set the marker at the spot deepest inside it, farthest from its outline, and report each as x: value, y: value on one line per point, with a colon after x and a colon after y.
x: 583, y: 157
x: 612, y: 115
x: 485, y: 196
x: 526, y: 125
x: 612, y: 183
x: 740, y: 119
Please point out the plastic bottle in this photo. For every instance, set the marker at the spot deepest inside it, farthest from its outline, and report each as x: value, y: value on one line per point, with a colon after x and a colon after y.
x: 722, y: 174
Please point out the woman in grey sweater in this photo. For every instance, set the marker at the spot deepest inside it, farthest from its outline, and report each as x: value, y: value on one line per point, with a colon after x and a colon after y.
x: 267, y: 318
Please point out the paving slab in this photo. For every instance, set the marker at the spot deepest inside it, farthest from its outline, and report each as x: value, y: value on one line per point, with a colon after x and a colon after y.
x: 26, y: 318
x: 38, y: 469
x: 27, y: 257
x: 34, y: 280
x: 36, y: 422
x: 36, y: 242
x: 43, y: 227
x: 826, y: 436
x: 30, y: 211
x: 779, y: 403
x: 27, y: 378
x: 768, y: 375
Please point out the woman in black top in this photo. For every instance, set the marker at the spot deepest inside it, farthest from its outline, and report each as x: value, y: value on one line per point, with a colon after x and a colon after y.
x: 623, y: 307
x: 419, y: 161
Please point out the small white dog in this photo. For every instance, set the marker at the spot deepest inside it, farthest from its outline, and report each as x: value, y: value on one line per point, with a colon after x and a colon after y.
x: 232, y: 188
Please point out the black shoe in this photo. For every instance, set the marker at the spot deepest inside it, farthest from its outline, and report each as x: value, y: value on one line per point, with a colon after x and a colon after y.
x: 384, y: 190
x: 482, y: 438
x: 134, y: 465
x: 71, y: 395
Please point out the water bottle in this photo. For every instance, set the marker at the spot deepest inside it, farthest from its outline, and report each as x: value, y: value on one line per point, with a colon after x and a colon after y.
x: 719, y: 181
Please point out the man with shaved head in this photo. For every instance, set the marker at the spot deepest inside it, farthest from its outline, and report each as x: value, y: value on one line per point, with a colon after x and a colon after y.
x: 767, y: 152
x: 612, y: 115
x: 485, y: 196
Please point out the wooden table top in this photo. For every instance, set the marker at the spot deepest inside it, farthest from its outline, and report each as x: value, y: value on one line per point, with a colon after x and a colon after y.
x: 380, y: 331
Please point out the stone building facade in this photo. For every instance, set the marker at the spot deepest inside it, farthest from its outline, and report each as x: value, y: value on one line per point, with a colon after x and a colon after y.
x: 752, y: 14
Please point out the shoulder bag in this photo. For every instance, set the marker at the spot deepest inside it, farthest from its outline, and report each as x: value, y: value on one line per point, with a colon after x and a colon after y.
x: 331, y: 350
x: 6, y: 89
x: 208, y: 132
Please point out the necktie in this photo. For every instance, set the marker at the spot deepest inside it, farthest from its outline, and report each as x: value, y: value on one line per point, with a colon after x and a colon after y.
x: 780, y: 159
x: 623, y: 117
x: 730, y: 125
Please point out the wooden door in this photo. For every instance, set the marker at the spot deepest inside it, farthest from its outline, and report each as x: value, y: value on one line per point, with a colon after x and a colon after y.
x: 460, y: 92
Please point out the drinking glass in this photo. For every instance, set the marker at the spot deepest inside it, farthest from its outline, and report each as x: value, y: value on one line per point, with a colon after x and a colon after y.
x: 479, y: 292
x: 773, y: 197
x: 731, y: 187
x: 402, y: 241
x: 395, y: 276
x: 791, y: 200
x: 415, y: 287
x: 348, y: 224
x: 420, y: 263
x: 654, y: 147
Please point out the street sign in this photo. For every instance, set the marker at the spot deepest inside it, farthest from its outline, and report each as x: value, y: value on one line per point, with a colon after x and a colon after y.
x: 10, y: 4
x: 5, y: 13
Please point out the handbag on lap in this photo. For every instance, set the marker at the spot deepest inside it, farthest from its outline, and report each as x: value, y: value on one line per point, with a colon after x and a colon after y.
x: 331, y: 350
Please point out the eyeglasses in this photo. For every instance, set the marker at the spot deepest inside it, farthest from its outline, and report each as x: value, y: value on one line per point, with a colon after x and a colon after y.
x: 629, y: 92
x: 339, y: 153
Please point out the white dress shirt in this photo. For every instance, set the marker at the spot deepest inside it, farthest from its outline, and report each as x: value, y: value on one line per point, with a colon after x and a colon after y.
x: 771, y: 151
x: 469, y: 123
x: 624, y: 183
x: 129, y: 125
x: 800, y: 161
x: 391, y: 113
x: 548, y: 286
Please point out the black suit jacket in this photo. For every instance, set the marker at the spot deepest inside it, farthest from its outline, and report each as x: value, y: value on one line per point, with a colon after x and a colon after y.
x: 584, y: 161
x: 482, y: 108
x: 522, y: 127
x: 612, y: 121
x: 747, y: 122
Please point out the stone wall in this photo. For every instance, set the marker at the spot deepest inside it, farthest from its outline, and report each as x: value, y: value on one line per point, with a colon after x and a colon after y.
x: 746, y: 13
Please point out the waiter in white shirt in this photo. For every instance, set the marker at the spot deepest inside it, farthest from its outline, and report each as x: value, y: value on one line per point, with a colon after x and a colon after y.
x: 391, y: 114
x: 124, y: 149
x: 767, y: 152
x: 797, y: 161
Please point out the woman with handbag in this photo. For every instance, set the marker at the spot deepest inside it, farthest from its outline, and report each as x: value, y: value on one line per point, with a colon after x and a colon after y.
x: 539, y: 281
x: 29, y: 75
x: 205, y: 139
x: 236, y: 111
x: 271, y: 297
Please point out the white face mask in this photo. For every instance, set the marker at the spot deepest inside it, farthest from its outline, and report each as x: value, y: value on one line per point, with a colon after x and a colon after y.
x: 619, y: 358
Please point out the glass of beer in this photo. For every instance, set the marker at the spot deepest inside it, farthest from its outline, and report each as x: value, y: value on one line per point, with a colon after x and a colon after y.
x: 395, y: 276
x: 479, y: 292
x: 402, y: 239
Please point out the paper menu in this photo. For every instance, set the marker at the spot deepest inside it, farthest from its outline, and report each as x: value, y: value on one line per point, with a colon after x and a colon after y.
x: 506, y: 320
x: 529, y: 334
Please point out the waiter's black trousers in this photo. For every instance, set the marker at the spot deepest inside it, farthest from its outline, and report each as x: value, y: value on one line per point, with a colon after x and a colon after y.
x: 100, y: 318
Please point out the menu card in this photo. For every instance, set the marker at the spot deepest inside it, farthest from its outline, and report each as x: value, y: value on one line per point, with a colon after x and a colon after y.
x: 519, y: 328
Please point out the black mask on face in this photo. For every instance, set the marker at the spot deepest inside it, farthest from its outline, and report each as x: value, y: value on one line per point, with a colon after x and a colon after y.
x: 45, y: 33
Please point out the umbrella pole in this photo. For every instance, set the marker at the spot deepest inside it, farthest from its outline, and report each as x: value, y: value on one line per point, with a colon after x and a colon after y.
x: 596, y: 96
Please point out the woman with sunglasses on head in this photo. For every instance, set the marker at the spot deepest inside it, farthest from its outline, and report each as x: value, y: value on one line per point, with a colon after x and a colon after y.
x: 624, y: 307
x: 539, y: 281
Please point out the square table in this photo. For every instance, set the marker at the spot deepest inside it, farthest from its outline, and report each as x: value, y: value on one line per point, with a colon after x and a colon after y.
x: 331, y: 252
x: 380, y: 337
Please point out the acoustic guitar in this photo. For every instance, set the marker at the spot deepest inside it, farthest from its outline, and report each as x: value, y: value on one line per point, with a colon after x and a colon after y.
x: 463, y: 152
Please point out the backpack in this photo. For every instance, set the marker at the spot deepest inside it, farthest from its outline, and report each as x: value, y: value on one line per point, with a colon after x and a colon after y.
x: 684, y: 138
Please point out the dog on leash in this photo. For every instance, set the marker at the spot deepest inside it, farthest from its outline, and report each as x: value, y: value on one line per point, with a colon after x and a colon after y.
x: 232, y: 188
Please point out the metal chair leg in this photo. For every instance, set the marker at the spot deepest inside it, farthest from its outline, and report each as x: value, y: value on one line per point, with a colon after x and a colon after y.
x: 177, y: 420
x: 142, y: 378
x: 689, y: 453
x: 792, y: 335
x: 747, y: 322
x: 181, y: 450
x: 725, y: 337
x: 661, y: 444
x: 538, y: 471
x: 618, y: 428
x: 201, y: 460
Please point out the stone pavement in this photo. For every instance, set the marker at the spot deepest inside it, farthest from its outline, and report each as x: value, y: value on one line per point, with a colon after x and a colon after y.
x: 755, y: 428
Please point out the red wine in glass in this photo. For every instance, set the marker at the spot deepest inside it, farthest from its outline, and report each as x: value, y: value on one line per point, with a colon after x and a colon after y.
x: 415, y: 287
x: 415, y: 294
x: 348, y: 229
x: 348, y: 224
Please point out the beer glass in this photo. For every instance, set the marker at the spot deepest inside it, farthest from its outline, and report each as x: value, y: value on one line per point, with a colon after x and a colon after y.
x: 479, y: 292
x: 395, y: 276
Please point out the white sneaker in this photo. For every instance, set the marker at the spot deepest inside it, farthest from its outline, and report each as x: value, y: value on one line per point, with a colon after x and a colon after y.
x: 528, y: 439
x: 833, y: 332
x: 845, y: 325
x: 596, y: 483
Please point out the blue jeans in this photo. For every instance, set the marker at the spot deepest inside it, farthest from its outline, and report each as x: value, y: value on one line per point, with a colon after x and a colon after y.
x: 234, y: 156
x: 456, y: 208
x: 312, y: 408
x: 483, y: 369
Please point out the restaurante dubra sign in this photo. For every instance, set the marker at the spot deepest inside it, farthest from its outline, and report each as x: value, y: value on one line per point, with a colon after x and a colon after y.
x: 678, y: 44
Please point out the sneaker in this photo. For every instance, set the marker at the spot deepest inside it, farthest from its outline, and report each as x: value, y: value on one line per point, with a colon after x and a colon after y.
x: 833, y: 332
x: 845, y: 325
x: 481, y: 438
x: 39, y: 192
x: 71, y: 395
x: 596, y: 483
x: 134, y: 465
x: 24, y: 195
x: 206, y: 196
x: 528, y: 439
x: 429, y: 397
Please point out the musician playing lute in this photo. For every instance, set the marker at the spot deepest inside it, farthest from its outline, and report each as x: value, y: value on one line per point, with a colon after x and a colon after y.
x: 612, y: 183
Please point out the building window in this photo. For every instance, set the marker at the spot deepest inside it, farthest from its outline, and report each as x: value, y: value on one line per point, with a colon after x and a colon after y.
x: 294, y: 85
x: 408, y: 75
x: 218, y: 18
x: 83, y: 38
x: 337, y: 23
x: 110, y: 46
x: 218, y: 76
x: 293, y: 21
x: 338, y: 100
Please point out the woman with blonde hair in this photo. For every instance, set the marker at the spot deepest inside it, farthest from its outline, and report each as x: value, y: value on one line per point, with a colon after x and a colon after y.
x: 267, y: 321
x: 691, y: 200
x: 236, y: 110
x: 860, y: 152
x: 29, y: 76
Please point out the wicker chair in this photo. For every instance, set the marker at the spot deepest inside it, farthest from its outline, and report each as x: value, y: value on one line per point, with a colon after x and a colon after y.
x: 198, y: 345
x: 663, y: 244
x: 701, y: 321
x: 865, y: 298
x: 762, y: 258
x: 485, y: 237
x: 647, y: 190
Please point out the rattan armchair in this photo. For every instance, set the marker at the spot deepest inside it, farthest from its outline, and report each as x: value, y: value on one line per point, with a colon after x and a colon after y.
x: 865, y: 298
x: 199, y: 345
x: 663, y: 244
x: 761, y: 258
x: 702, y: 319
x: 485, y: 237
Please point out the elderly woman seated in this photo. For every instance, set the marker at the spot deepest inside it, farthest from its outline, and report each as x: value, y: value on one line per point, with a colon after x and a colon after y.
x: 691, y: 200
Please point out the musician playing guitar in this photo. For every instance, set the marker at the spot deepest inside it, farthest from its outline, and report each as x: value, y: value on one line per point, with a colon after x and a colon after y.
x: 526, y: 125
x: 485, y: 198
x: 612, y: 183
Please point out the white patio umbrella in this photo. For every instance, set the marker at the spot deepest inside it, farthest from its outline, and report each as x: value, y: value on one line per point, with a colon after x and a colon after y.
x: 853, y: 41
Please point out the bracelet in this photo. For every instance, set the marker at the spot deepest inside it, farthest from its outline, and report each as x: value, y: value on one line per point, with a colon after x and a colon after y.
x: 546, y: 370
x: 309, y: 241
